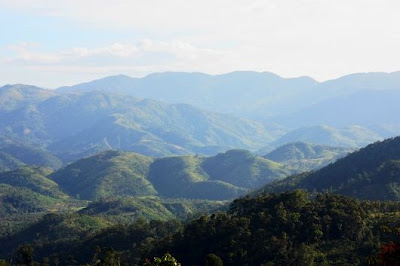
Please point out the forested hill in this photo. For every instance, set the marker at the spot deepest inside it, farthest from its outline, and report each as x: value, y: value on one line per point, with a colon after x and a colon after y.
x: 306, y: 156
x: 281, y: 229
x: 115, y: 173
x: 372, y: 172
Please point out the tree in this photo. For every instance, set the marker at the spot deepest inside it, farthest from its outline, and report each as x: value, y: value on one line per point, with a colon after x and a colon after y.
x: 24, y: 255
x: 165, y: 260
x: 213, y: 260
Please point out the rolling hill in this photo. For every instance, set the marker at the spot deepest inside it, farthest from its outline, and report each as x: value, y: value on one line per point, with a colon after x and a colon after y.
x: 370, y: 173
x: 306, y: 156
x: 110, y: 173
x: 115, y: 173
x: 33, y: 178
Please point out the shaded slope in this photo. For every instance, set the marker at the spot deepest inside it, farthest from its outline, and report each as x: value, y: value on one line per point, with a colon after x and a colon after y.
x: 33, y: 178
x: 30, y: 155
x: 184, y: 177
x: 243, y: 169
x: 223, y: 176
x: 115, y: 173
x: 109, y: 173
x: 370, y: 173
x: 19, y: 200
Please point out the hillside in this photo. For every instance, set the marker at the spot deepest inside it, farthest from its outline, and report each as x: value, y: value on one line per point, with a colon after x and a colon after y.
x: 18, y: 200
x: 33, y: 178
x: 114, y: 173
x: 76, y: 125
x: 7, y: 162
x: 30, y: 155
x: 128, y: 209
x: 292, y: 228
x: 110, y: 173
x: 370, y: 173
x: 243, y: 169
x: 306, y: 156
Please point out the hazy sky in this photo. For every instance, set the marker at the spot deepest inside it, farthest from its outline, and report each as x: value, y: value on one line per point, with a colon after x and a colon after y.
x: 54, y: 42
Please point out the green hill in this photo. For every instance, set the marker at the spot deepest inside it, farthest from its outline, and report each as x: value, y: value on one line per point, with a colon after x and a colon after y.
x: 17, y: 200
x: 226, y: 175
x: 33, y: 178
x: 291, y: 228
x: 128, y: 209
x: 114, y: 173
x: 306, y: 156
x: 109, y: 173
x: 243, y: 169
x: 7, y: 162
x: 371, y: 173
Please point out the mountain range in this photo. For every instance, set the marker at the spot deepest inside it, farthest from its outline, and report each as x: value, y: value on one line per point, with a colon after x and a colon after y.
x: 193, y: 113
x: 75, y: 125
x: 265, y: 95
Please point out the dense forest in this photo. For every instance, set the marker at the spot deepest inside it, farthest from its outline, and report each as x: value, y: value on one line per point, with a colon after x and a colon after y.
x: 292, y: 228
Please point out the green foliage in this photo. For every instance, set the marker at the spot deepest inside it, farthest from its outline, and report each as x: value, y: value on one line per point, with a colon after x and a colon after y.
x: 21, y: 200
x: 110, y: 173
x: 24, y: 255
x: 128, y: 209
x: 115, y: 174
x: 224, y: 176
x: 7, y: 162
x: 280, y: 229
x: 243, y: 169
x: 213, y: 260
x: 34, y: 178
x: 165, y: 260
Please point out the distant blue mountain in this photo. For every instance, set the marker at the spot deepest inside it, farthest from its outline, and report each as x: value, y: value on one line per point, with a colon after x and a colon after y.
x: 256, y: 95
x: 368, y: 108
x: 243, y: 93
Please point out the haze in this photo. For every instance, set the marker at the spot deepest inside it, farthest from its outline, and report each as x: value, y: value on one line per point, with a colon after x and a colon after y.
x: 54, y: 43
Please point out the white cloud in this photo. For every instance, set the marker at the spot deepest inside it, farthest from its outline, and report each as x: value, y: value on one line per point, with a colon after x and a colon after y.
x: 133, y: 59
x: 25, y: 52
x: 321, y: 38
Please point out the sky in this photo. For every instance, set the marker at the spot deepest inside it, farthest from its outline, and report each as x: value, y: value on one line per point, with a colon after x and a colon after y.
x: 55, y: 43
